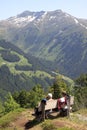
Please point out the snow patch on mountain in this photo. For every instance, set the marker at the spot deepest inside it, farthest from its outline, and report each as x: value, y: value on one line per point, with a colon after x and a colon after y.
x: 39, y: 19
x: 83, y: 26
x: 52, y: 17
x: 45, y: 13
x: 21, y: 21
x: 76, y: 21
x: 67, y: 15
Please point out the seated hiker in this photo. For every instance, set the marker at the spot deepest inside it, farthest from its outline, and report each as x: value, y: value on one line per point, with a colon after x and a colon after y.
x: 38, y: 109
x: 49, y: 99
x: 62, y: 104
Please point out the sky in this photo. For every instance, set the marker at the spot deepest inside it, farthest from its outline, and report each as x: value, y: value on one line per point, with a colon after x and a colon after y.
x: 77, y: 8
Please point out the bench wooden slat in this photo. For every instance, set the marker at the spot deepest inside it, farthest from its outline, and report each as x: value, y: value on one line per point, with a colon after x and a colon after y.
x: 51, y: 104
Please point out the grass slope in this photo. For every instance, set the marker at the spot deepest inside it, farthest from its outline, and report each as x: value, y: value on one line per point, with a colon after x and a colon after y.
x: 25, y: 120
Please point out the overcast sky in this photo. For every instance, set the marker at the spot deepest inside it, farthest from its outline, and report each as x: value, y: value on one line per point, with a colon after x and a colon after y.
x: 77, y: 8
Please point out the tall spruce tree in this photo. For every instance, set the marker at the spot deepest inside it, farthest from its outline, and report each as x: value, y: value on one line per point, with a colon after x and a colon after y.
x: 59, y: 85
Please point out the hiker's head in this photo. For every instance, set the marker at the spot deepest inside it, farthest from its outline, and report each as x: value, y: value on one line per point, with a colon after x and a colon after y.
x: 49, y: 96
x: 64, y: 93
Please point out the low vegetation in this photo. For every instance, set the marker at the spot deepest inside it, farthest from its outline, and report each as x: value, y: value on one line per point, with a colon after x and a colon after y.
x: 48, y: 125
x: 9, y: 117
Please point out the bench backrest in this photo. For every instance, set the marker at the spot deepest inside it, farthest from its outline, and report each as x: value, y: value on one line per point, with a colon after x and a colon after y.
x: 51, y: 104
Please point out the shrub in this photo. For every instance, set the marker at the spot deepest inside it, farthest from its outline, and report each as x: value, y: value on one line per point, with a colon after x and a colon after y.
x: 10, y: 104
x: 48, y: 126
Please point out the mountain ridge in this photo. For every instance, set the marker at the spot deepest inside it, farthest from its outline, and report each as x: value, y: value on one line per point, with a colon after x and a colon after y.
x: 54, y: 35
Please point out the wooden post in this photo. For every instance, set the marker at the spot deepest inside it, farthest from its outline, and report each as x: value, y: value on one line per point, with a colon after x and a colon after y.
x: 43, y: 111
x: 68, y: 105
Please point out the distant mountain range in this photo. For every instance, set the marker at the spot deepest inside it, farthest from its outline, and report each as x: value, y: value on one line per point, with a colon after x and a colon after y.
x: 54, y: 36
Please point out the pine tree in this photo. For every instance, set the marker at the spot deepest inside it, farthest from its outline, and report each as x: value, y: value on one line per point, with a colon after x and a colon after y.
x: 58, y: 86
x: 10, y: 104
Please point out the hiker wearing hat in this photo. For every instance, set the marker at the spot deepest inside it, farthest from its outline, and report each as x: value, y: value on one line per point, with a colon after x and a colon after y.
x: 48, y: 99
x: 49, y: 96
x: 62, y: 104
x: 45, y: 100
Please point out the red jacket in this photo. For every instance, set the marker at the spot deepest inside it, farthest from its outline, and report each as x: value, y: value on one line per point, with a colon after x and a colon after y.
x: 62, y: 102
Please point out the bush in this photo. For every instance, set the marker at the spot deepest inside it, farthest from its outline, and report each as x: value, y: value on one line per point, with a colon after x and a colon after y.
x: 9, y: 117
x: 48, y: 126
x: 10, y: 104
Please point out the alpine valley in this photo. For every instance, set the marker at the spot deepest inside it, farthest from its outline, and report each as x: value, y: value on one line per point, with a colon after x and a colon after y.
x: 48, y: 41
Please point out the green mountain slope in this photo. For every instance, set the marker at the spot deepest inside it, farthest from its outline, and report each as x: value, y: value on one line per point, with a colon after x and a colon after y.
x: 16, y: 72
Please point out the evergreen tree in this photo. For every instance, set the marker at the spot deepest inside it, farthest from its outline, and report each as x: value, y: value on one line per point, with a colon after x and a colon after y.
x: 58, y: 86
x: 10, y: 104
x: 22, y: 98
x: 36, y: 94
x: 31, y: 98
x: 80, y: 92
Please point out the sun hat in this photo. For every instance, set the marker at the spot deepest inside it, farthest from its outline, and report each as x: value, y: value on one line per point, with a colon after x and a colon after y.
x: 50, y: 95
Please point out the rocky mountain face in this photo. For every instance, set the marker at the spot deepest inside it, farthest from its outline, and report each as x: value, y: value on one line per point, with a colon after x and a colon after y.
x: 54, y: 35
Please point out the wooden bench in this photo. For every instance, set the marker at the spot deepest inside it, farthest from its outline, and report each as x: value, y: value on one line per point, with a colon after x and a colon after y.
x: 52, y: 105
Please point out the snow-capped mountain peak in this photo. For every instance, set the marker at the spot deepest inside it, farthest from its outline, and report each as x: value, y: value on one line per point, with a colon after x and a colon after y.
x: 38, y: 18
x: 26, y: 17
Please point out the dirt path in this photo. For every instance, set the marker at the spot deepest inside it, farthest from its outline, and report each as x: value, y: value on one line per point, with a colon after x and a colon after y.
x: 21, y: 121
x: 26, y: 122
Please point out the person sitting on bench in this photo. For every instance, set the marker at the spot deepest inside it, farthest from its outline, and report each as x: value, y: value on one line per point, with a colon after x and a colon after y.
x: 38, y: 111
x: 62, y: 104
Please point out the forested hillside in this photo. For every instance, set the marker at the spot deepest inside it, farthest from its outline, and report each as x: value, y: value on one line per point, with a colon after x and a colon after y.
x: 19, y: 71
